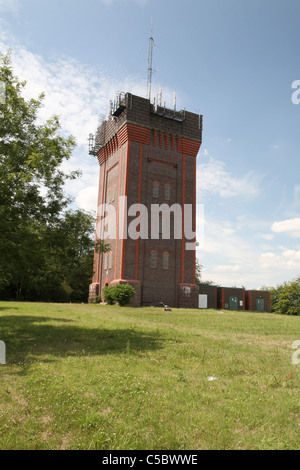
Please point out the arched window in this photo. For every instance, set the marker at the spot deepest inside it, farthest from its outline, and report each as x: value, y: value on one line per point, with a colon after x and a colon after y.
x: 155, y: 189
x: 166, y: 258
x: 153, y: 259
x: 167, y: 192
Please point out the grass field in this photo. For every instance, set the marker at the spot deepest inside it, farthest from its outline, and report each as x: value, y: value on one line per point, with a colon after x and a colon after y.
x: 101, y: 377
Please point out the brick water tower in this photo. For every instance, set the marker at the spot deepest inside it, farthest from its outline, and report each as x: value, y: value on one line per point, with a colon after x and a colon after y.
x: 147, y: 156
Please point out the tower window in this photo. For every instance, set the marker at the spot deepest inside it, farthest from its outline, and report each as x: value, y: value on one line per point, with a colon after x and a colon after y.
x: 167, y: 192
x: 155, y: 189
x: 109, y: 260
x: 153, y: 259
x: 166, y: 258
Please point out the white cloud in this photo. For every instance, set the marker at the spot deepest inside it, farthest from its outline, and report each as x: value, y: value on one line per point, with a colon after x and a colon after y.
x: 228, y: 268
x: 87, y: 198
x: 78, y: 95
x: 224, y: 242
x: 267, y: 236
x: 230, y: 255
x: 269, y: 259
x: 10, y: 5
x: 227, y: 257
x: 289, y: 226
x: 213, y: 177
x: 287, y: 260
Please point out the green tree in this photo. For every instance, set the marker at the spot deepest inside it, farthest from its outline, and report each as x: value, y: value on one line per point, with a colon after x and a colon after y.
x: 31, y: 179
x: 46, y: 250
x: 102, y: 247
x: 285, y: 299
x: 198, y: 270
x: 69, y: 255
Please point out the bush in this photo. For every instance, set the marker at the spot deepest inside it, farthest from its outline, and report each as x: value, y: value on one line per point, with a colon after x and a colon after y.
x: 123, y: 293
x: 120, y: 293
x: 108, y: 295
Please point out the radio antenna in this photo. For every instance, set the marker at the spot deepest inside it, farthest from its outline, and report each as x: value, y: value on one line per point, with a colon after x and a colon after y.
x: 150, y: 57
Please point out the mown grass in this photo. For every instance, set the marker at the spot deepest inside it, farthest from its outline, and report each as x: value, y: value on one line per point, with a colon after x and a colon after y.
x: 101, y: 377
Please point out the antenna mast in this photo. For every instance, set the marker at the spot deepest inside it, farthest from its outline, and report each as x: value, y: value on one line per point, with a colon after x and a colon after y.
x: 150, y: 69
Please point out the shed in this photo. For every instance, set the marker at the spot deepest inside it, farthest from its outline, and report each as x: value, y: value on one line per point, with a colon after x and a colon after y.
x: 231, y: 298
x: 258, y: 300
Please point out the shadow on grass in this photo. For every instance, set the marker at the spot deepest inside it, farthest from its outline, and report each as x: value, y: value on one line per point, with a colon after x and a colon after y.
x: 8, y: 308
x: 29, y: 338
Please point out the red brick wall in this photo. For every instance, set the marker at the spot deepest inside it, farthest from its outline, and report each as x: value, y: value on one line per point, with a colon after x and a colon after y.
x: 224, y: 293
x: 140, y: 148
x: 252, y: 295
x: 211, y: 292
x: 188, y: 295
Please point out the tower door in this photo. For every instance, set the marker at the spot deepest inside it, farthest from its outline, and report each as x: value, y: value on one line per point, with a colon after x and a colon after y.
x: 202, y: 301
x: 260, y: 305
x: 233, y: 303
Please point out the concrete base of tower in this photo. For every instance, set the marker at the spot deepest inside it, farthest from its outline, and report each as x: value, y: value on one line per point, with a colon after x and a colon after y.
x: 94, y: 290
x: 185, y: 296
x: 188, y: 296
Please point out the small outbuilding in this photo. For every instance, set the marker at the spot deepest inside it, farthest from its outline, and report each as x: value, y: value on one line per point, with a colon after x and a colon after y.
x: 231, y: 298
x: 207, y: 296
x: 258, y: 300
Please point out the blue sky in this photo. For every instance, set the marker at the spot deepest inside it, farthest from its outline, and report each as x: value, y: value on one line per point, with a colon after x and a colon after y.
x: 234, y: 61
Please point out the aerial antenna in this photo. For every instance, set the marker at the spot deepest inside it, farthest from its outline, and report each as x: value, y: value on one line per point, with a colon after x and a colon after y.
x: 150, y: 69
